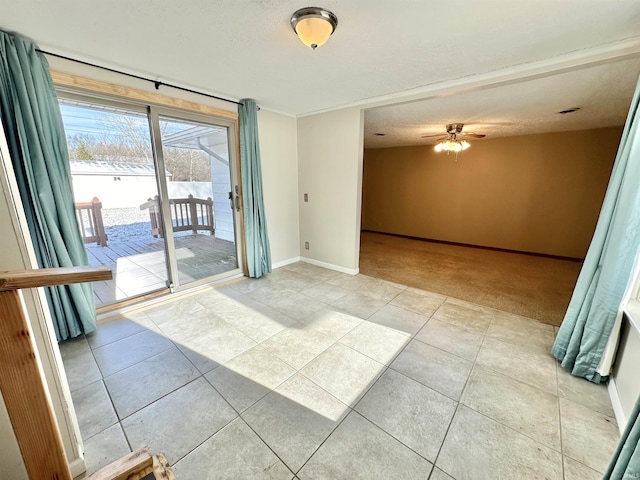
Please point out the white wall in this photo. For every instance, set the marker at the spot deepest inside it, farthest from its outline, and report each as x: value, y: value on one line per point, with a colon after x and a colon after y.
x: 625, y: 368
x: 278, y: 152
x: 330, y: 148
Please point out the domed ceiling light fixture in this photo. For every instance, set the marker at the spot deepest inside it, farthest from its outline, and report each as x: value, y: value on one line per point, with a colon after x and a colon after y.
x: 314, y: 25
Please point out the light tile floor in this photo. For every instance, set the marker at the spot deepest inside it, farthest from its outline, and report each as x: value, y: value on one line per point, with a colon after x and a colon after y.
x: 308, y: 373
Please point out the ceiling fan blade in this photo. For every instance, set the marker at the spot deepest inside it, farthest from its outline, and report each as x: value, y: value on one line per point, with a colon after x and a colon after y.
x: 435, y: 135
x: 441, y: 138
x: 472, y: 135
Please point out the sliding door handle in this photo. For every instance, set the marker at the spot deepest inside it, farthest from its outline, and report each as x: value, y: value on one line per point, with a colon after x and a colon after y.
x: 237, y: 198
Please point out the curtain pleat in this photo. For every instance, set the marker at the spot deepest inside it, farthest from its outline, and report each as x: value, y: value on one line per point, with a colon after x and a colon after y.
x: 255, y: 223
x: 35, y: 135
x: 604, y: 280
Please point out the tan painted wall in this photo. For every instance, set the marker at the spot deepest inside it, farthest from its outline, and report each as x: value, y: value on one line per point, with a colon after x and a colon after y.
x: 532, y: 193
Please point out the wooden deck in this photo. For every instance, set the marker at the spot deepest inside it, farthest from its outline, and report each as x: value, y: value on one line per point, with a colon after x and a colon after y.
x: 139, y: 267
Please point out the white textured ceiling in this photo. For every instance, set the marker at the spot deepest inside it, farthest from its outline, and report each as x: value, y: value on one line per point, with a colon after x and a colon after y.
x: 246, y: 48
x: 603, y: 94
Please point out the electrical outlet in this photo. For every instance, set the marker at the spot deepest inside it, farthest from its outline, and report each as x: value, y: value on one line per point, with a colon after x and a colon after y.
x: 306, y: 245
x: 306, y: 197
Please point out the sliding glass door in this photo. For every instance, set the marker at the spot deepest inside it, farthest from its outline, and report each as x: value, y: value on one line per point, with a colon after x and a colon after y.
x: 200, y: 204
x: 154, y: 193
x: 113, y: 175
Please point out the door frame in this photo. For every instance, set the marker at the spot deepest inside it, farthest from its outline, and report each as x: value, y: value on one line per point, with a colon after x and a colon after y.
x: 234, y: 173
x: 87, y: 88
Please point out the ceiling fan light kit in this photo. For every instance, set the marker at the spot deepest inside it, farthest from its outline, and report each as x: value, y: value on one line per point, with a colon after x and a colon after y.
x: 452, y: 141
x: 452, y: 146
x: 314, y: 25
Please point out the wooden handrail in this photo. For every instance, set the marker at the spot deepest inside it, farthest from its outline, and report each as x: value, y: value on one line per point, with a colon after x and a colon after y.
x: 46, y: 277
x: 21, y: 382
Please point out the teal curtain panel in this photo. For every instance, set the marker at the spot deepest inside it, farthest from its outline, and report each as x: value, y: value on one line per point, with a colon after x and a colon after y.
x: 608, y: 268
x: 255, y: 222
x: 35, y: 134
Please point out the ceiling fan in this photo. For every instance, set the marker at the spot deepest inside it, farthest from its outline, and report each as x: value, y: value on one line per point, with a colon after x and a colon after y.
x: 454, y: 140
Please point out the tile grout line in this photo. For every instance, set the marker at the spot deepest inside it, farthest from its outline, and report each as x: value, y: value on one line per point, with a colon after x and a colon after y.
x: 270, y: 307
x: 517, y: 380
x: 392, y: 435
x: 119, y: 422
x: 295, y: 472
x: 380, y: 375
x: 352, y: 409
x: 435, y: 461
x: 362, y: 395
x: 297, y: 371
x: 501, y: 423
x: 174, y: 462
x: 120, y: 419
x: 484, y: 337
x: 125, y: 338
x: 388, y: 365
x: 272, y: 391
x: 560, y: 423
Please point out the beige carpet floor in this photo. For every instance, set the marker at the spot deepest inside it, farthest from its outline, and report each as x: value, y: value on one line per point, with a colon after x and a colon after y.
x: 528, y: 285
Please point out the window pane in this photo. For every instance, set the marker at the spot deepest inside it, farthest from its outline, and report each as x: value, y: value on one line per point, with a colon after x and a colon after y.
x: 196, y: 157
x: 115, y: 190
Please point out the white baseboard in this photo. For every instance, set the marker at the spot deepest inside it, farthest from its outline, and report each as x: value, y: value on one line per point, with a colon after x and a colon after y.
x: 283, y: 263
x: 77, y: 467
x: 330, y: 266
x: 617, y: 406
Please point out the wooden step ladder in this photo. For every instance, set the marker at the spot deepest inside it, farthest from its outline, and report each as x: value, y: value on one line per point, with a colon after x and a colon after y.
x: 24, y: 391
x: 21, y: 379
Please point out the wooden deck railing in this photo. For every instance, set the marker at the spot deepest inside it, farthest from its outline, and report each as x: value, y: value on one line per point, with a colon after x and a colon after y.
x: 187, y: 214
x: 155, y: 216
x: 89, y: 216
